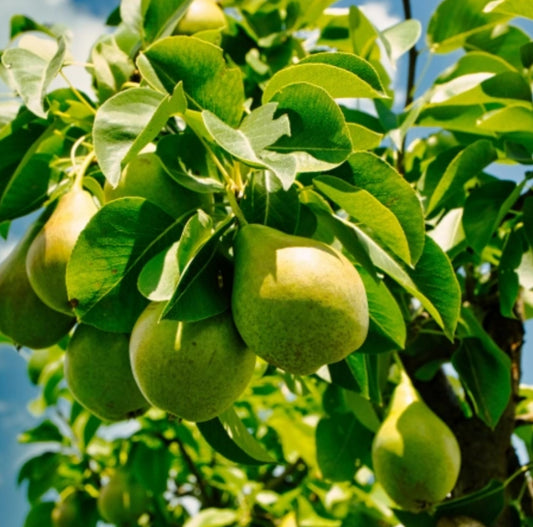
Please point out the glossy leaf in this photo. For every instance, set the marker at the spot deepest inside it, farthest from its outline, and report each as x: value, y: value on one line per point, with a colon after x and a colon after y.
x: 207, y: 80
x: 119, y: 240
x: 484, y: 370
x: 319, y: 138
x: 127, y: 122
x: 510, y: 7
x: 465, y: 165
x: 385, y: 184
x: 452, y: 23
x: 366, y: 209
x: 341, y: 442
x: 401, y: 37
x: 32, y: 66
x: 339, y: 74
x: 230, y: 438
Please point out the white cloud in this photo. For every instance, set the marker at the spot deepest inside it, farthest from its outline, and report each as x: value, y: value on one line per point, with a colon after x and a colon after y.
x: 380, y: 14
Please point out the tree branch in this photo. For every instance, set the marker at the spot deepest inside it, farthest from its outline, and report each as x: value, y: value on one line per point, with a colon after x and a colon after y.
x: 413, y: 56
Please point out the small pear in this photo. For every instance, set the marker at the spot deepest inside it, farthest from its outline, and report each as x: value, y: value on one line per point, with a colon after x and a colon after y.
x: 23, y: 316
x: 201, y: 15
x: 67, y: 512
x: 194, y: 370
x: 145, y: 177
x: 123, y: 499
x: 47, y: 258
x: 298, y: 303
x: 415, y: 455
x: 98, y: 374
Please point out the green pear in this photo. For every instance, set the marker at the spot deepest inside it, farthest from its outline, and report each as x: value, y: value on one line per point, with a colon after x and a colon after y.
x: 145, y: 177
x: 48, y: 255
x: 298, y: 303
x: 415, y: 455
x: 23, y: 316
x: 201, y: 15
x: 67, y: 512
x: 123, y: 499
x: 98, y: 373
x: 194, y: 370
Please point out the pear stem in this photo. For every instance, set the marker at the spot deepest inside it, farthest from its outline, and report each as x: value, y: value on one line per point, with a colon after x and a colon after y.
x: 230, y: 185
x: 78, y: 95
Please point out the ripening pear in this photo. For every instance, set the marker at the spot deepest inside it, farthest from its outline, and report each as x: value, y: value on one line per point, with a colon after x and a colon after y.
x: 23, y: 316
x: 297, y: 303
x: 145, y: 177
x: 98, y: 373
x: 415, y: 455
x: 123, y: 499
x: 201, y: 16
x: 194, y: 370
x: 67, y: 512
x: 48, y: 255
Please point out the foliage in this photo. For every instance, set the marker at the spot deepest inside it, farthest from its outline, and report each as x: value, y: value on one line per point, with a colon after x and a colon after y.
x: 287, y: 117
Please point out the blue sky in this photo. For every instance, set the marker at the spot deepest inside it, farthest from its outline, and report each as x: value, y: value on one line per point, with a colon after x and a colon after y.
x: 85, y: 18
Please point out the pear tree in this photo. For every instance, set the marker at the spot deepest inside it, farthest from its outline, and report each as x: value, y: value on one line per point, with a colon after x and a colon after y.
x: 275, y: 272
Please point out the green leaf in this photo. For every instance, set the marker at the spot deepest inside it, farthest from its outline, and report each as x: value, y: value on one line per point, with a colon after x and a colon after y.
x: 527, y: 212
x: 159, y: 277
x: 508, y: 279
x: 127, y: 122
x: 401, y: 37
x: 367, y: 372
x: 339, y: 74
x: 43, y: 432
x: 465, y: 165
x: 266, y: 202
x: 482, y: 88
x: 150, y: 466
x: 30, y: 182
x: 511, y: 8
x: 41, y: 472
x: 250, y: 141
x: 392, y: 190
x: 341, y: 441
x: 118, y: 241
x: 204, y: 285
x: 161, y: 18
x: 485, y: 505
x: 319, y: 138
x: 510, y: 119
x: 207, y: 80
x: 40, y: 515
x: 230, y: 438
x: 484, y: 370
x: 484, y: 209
x: 213, y: 517
x: 388, y: 330
x: 452, y: 23
x: 32, y: 66
x: 366, y: 209
x: 433, y: 281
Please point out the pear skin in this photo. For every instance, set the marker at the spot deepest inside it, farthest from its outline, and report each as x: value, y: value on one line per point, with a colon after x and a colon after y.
x: 415, y: 455
x: 98, y: 374
x: 202, y: 15
x: 145, y: 177
x: 122, y: 500
x: 297, y: 303
x: 23, y: 316
x: 194, y: 370
x: 48, y: 255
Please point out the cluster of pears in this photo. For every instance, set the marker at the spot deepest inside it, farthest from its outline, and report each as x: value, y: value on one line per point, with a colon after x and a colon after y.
x: 415, y: 455
x: 297, y: 303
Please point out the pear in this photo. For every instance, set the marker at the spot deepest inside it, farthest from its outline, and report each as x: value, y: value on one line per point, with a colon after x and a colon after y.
x: 98, y: 373
x: 23, y: 316
x: 144, y: 176
x: 297, y: 303
x: 194, y: 370
x: 415, y: 455
x: 67, y: 512
x: 47, y: 257
x: 123, y: 499
x: 201, y: 15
